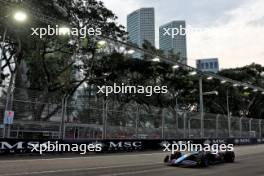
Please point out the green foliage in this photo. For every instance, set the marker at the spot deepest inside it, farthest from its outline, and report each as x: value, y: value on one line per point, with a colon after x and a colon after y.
x: 52, y: 61
x: 242, y: 102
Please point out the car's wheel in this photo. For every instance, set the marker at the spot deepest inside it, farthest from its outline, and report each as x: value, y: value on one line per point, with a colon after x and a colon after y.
x: 204, y: 162
x: 229, y: 157
x: 166, y: 159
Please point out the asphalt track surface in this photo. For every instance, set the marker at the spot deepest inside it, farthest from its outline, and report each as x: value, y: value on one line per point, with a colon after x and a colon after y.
x: 249, y: 162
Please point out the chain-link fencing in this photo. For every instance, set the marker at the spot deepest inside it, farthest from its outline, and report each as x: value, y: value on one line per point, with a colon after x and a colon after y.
x: 38, y: 117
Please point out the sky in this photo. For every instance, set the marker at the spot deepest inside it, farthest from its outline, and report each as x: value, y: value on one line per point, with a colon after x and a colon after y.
x: 231, y: 30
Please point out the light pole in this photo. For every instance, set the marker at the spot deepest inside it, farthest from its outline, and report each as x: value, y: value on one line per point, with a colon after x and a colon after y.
x: 1, y: 53
x: 207, y: 93
x: 201, y: 94
x: 19, y: 17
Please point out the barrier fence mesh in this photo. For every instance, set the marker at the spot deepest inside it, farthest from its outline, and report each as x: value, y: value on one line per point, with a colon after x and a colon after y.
x: 100, y: 118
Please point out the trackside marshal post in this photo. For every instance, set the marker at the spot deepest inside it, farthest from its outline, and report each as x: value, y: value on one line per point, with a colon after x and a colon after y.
x: 8, y: 121
x: 9, y: 116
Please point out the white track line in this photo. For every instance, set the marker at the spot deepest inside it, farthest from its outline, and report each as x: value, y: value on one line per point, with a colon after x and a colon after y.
x: 81, y: 157
x: 79, y: 169
x: 138, y: 172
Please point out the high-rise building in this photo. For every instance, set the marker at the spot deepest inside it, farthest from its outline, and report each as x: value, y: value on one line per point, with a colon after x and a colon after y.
x: 208, y: 65
x: 141, y: 26
x: 172, y: 38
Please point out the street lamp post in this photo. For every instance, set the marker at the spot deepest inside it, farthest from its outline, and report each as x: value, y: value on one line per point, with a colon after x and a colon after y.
x: 201, y: 94
x: 1, y: 53
x: 19, y: 17
x: 7, y: 100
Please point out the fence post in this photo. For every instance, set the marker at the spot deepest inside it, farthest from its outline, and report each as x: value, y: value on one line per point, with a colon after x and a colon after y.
x: 228, y: 113
x: 62, y: 123
x: 137, y: 120
x: 176, y: 113
x: 201, y: 106
x: 103, y: 120
x: 8, y: 107
x: 229, y: 125
x: 216, y: 125
x: 240, y: 126
x: 250, y: 127
x: 184, y: 125
x: 162, y: 125
x: 189, y: 127
x: 65, y: 112
x: 106, y: 117
x: 62, y: 117
x: 4, y: 131
x: 260, y: 130
x: 250, y: 122
x: 105, y: 109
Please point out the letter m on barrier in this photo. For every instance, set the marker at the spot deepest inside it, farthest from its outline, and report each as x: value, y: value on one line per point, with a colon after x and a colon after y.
x: 114, y: 145
x: 7, y: 146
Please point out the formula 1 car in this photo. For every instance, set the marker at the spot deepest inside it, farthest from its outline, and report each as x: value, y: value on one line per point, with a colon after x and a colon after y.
x: 199, y: 159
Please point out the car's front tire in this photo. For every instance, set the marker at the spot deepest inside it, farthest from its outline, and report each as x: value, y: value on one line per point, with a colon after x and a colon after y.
x: 166, y: 159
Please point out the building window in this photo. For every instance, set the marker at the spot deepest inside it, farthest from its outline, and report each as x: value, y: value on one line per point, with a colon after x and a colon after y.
x: 211, y: 65
x: 216, y: 65
x: 206, y: 65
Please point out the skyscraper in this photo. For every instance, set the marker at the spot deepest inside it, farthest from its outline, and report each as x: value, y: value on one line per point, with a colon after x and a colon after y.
x: 141, y: 26
x: 172, y: 38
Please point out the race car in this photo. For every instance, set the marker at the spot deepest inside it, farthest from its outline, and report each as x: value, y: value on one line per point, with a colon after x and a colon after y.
x: 199, y: 159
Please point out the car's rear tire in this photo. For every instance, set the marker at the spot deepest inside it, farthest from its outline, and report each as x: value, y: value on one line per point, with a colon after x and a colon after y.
x: 204, y: 162
x: 229, y: 157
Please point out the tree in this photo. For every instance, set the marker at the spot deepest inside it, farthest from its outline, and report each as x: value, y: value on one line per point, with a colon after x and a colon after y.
x: 51, y: 61
x: 242, y: 102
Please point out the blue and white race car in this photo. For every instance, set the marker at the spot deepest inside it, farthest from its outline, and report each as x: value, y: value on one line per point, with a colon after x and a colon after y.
x: 199, y: 159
